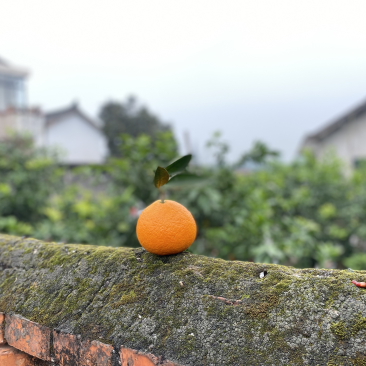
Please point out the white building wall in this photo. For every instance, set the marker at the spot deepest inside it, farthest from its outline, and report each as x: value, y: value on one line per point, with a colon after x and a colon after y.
x: 32, y: 123
x: 349, y: 142
x: 23, y: 122
x: 80, y: 142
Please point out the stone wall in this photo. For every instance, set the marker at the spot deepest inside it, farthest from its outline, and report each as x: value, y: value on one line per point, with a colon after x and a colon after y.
x: 90, y: 305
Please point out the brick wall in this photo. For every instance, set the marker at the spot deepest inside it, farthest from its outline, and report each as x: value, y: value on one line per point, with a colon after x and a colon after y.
x: 26, y: 343
x: 11, y: 356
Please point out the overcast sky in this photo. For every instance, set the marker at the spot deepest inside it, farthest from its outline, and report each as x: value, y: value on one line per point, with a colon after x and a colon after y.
x: 255, y: 70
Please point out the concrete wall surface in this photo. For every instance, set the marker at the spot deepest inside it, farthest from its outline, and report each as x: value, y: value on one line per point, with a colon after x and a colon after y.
x: 93, y: 305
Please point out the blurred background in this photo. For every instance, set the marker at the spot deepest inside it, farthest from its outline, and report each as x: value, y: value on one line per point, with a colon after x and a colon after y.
x: 269, y: 97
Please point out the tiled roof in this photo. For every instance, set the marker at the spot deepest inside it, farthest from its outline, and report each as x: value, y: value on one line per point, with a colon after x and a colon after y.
x: 55, y: 116
x: 9, y: 70
x: 338, y: 123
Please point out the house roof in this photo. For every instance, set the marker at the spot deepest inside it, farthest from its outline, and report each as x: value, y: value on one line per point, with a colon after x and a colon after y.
x: 337, y: 124
x: 10, y: 70
x: 55, y: 116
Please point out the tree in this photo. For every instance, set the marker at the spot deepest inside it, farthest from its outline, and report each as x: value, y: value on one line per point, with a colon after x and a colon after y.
x: 139, y: 158
x: 29, y: 176
x: 130, y: 118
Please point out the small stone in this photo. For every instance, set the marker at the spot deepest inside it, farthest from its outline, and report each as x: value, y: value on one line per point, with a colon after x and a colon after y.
x: 181, y: 283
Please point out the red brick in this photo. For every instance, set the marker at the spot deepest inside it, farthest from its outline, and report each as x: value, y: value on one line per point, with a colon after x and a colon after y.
x: 2, y: 328
x: 10, y: 356
x: 27, y: 336
x: 130, y: 357
x: 70, y: 350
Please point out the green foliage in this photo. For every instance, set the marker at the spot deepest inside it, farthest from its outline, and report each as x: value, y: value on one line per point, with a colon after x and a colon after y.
x: 173, y: 170
x: 139, y: 158
x: 179, y: 165
x: 356, y: 261
x: 161, y: 177
x: 36, y: 201
x: 85, y: 216
x: 305, y: 213
x: 28, y: 178
x: 132, y: 119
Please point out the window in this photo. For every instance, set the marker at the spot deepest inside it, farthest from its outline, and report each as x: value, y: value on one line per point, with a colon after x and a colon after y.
x: 11, y: 92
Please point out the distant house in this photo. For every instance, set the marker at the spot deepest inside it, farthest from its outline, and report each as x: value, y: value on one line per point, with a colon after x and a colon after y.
x: 75, y: 134
x: 12, y: 88
x: 345, y: 136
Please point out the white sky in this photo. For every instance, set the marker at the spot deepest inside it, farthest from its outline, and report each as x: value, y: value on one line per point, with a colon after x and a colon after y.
x: 268, y: 70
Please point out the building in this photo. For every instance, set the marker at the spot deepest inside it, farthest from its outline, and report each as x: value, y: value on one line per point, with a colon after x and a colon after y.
x: 345, y: 136
x: 14, y: 114
x: 12, y: 86
x: 76, y: 135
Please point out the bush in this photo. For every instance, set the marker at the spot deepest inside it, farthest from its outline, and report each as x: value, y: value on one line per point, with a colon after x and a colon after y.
x: 306, y: 213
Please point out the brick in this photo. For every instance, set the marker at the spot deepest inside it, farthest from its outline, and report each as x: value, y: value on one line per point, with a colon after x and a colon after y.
x: 130, y: 357
x: 2, y: 328
x: 10, y: 356
x: 27, y: 336
x: 70, y: 350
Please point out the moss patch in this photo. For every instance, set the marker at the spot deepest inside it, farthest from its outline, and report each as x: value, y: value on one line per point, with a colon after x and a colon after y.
x: 190, y: 309
x: 345, y: 330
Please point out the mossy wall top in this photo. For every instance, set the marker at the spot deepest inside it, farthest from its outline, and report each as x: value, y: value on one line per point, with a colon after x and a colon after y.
x: 190, y: 309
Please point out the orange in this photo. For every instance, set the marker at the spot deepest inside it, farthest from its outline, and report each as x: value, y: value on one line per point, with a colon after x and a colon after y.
x: 165, y: 228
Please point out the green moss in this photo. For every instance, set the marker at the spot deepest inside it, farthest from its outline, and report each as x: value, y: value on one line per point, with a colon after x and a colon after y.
x: 128, y: 298
x: 155, y: 304
x: 350, y: 329
x: 359, y: 324
x: 360, y: 360
x: 340, y: 330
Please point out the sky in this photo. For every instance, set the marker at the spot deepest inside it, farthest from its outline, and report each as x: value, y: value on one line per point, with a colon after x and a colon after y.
x: 255, y: 70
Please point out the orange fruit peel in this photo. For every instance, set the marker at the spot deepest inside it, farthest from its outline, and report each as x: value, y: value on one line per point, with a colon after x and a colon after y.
x: 166, y: 228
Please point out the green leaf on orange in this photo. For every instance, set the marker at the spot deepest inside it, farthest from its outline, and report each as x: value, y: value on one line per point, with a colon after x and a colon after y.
x: 179, y: 165
x: 161, y: 177
x: 186, y: 179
